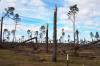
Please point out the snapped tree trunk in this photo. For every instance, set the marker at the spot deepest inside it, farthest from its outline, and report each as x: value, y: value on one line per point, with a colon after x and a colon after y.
x: 1, y: 29
x: 54, y: 59
x: 77, y: 46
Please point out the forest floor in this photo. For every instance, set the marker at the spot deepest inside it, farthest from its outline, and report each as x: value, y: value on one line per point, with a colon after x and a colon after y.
x: 29, y: 57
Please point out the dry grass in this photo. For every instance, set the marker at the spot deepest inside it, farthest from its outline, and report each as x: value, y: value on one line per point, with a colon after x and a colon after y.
x: 28, y: 57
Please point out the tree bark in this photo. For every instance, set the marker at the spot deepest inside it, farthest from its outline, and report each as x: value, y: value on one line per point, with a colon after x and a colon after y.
x: 54, y: 59
x: 47, y: 39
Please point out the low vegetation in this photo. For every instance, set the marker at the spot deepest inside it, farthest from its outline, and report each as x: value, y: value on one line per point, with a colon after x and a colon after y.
x: 25, y: 56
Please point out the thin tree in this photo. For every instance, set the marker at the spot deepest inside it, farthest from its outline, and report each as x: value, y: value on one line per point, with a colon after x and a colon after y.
x: 42, y: 29
x: 97, y: 35
x: 16, y: 19
x: 85, y: 40
x: 29, y: 34
x: 68, y: 38
x: 13, y: 33
x: 36, y: 35
x: 22, y: 38
x: 40, y: 36
x: 60, y: 39
x: 4, y: 33
x: 47, y: 38
x: 72, y: 16
x: 8, y: 35
x: 91, y: 34
x: 77, y: 34
x: 54, y: 58
x: 63, y: 33
x: 77, y: 45
x: 62, y: 36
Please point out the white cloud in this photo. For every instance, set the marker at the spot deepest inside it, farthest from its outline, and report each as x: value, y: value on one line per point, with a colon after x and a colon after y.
x: 34, y: 9
x: 88, y: 9
x: 37, y: 9
x: 30, y: 8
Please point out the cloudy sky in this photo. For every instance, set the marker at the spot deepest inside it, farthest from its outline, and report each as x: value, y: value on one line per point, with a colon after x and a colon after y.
x: 34, y: 13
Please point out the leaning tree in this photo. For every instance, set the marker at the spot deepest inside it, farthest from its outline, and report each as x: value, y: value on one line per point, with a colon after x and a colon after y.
x: 8, y: 12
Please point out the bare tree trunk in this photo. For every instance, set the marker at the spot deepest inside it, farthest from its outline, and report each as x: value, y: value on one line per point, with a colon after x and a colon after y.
x: 92, y: 39
x: 47, y: 39
x: 74, y: 28
x: 36, y: 40
x: 54, y: 59
x: 1, y: 29
x: 77, y: 39
x: 3, y: 36
x: 15, y: 32
x: 13, y: 38
x: 77, y: 46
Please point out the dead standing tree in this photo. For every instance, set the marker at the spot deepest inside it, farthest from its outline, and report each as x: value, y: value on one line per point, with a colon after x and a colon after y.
x: 54, y: 58
x: 47, y: 39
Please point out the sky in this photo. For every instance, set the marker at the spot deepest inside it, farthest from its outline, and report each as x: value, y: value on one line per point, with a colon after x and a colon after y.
x: 35, y: 13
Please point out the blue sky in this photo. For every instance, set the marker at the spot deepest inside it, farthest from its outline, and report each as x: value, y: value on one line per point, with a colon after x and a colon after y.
x: 34, y: 13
